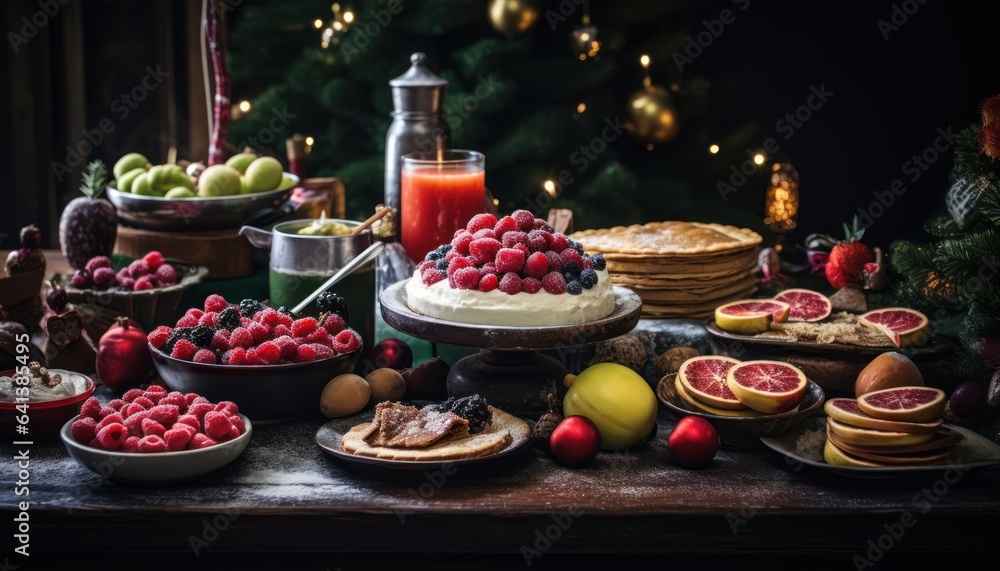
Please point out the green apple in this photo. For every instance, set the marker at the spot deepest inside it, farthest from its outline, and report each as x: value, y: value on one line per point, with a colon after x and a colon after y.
x: 285, y: 183
x: 179, y: 192
x: 129, y: 162
x: 165, y: 177
x: 264, y: 174
x: 244, y: 186
x: 124, y: 182
x: 219, y: 180
x: 241, y: 161
x: 141, y: 186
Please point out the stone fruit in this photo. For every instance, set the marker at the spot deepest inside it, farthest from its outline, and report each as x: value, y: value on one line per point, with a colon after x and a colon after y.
x: 219, y: 180
x: 767, y: 386
x: 263, y: 174
x: 671, y: 360
x: 123, y: 358
x: 124, y: 182
x: 129, y: 162
x: 888, y: 370
x: 806, y: 305
x: 575, y: 441
x: 386, y: 385
x: 240, y: 161
x: 847, y: 411
x: 901, y: 325
x: 904, y: 404
x: 344, y: 395
x: 88, y: 225
x: 693, y: 442
x: 968, y: 401
x: 750, y: 316
x: 392, y: 353
x: 704, y: 379
x: 617, y: 399
x: 697, y: 405
x: 179, y: 192
x: 870, y: 437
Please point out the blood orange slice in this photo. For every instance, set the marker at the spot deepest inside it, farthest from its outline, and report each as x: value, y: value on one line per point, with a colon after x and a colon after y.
x: 869, y: 437
x: 847, y: 411
x: 836, y: 457
x: 697, y: 405
x: 904, y: 404
x: 704, y: 378
x: 901, y: 325
x: 751, y: 316
x: 767, y: 386
x: 806, y: 305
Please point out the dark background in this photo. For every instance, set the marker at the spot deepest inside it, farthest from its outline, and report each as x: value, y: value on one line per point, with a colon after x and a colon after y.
x: 890, y: 98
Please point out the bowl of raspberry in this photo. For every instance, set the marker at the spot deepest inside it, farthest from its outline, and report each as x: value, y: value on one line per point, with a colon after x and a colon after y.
x: 272, y: 365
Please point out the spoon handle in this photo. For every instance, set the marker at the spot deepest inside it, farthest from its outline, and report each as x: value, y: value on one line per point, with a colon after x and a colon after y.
x: 349, y: 268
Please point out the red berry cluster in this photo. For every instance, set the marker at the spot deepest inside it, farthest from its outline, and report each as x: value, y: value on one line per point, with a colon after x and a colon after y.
x: 513, y: 254
x: 252, y: 334
x: 156, y: 421
x: 148, y: 272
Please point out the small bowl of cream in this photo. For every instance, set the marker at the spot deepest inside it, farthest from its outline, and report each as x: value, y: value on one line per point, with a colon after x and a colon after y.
x: 36, y: 404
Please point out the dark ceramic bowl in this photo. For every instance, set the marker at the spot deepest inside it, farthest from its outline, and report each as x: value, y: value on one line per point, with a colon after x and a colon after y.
x: 264, y: 393
x: 45, y: 418
x: 743, y: 432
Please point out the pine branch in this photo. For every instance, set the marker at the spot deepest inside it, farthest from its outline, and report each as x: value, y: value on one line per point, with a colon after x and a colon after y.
x: 94, y: 179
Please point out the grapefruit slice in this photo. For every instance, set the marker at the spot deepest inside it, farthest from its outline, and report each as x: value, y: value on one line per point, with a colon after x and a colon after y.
x: 904, y: 404
x: 836, y: 457
x: 901, y: 325
x: 751, y: 316
x: 806, y: 305
x: 696, y: 404
x: 767, y: 386
x: 945, y: 439
x: 848, y: 412
x: 868, y: 437
x: 704, y: 378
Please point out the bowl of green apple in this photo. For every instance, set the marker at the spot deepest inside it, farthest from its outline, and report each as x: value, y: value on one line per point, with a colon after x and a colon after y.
x: 168, y: 197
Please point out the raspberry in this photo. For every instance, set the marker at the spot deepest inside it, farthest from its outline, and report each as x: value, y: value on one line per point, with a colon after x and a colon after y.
x: 91, y: 407
x: 253, y: 359
x: 531, y: 285
x: 304, y: 354
x: 145, y: 402
x: 166, y: 275
x: 155, y: 393
x: 269, y: 317
x: 570, y: 255
x: 113, y: 417
x: 205, y: 356
x: 587, y: 263
x: 95, y: 444
x: 127, y: 284
x: 509, y: 260
x: 177, y: 399
x: 188, y: 420
x: 151, y: 427
x: 540, y: 224
x: 190, y: 398
x: 103, y: 277
x: 105, y: 411
x: 194, y: 312
x: 431, y: 276
x: 599, y: 262
x: 200, y: 441
x: 228, y: 407
x: 504, y: 225
x: 555, y: 263
x: 282, y: 330
x: 80, y: 279
x: 112, y: 436
x: 588, y: 279
x: 84, y: 429
x: 144, y: 283
x: 217, y: 425
x: 177, y: 439
x: 317, y: 336
x: 345, y: 342
x: 260, y: 332
x: 269, y: 352
x: 216, y: 303
x: 514, y: 237
x: 235, y: 356
x: 467, y: 278
x: 334, y: 324
x: 484, y: 249
x: 220, y: 340
x: 286, y: 320
x: 130, y: 409
x: 459, y: 262
x: 153, y: 259
x: 489, y: 282
x: 97, y: 262
x: 287, y: 345
x: 165, y: 414
x: 574, y: 287
x: 238, y: 423
x: 325, y: 352
x: 484, y: 233
x: 116, y: 404
x: 304, y: 326
x: 460, y: 243
x: 525, y: 220
x: 554, y: 283
x: 158, y: 337
x: 187, y: 321
x: 480, y: 221
x: 523, y: 248
x: 241, y: 337
x: 134, y: 423
x: 538, y: 240
x: 152, y: 444
x: 537, y: 265
x: 138, y: 269
x: 210, y: 319
x: 131, y: 444
x: 510, y: 284
x: 183, y: 350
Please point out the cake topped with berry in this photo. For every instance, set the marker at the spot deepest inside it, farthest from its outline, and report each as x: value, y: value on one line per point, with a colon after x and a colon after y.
x: 515, y: 271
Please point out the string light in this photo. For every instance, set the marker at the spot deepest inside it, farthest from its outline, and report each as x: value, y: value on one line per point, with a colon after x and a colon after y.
x: 310, y: 141
x: 496, y: 202
x: 244, y: 106
x: 341, y: 22
x: 713, y: 148
x: 550, y: 187
x: 758, y: 159
x: 348, y: 16
x: 581, y: 107
x: 318, y: 23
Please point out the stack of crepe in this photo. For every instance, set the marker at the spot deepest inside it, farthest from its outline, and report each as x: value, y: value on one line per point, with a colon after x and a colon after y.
x: 679, y: 269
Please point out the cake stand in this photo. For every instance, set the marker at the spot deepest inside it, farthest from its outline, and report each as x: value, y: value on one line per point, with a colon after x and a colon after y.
x: 509, y: 371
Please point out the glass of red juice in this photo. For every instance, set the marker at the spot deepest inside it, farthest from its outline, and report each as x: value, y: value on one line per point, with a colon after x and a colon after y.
x: 441, y: 191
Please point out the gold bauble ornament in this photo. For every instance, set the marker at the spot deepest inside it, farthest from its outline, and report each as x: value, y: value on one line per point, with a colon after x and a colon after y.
x: 651, y: 115
x: 513, y: 16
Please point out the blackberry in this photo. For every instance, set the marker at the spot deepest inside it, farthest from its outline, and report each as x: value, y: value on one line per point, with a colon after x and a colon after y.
x: 576, y: 246
x: 573, y: 287
x: 588, y: 279
x: 202, y: 335
x: 433, y: 255
x: 250, y: 307
x: 285, y: 311
x: 176, y: 335
x: 441, y: 264
x: 472, y: 408
x: 229, y: 318
x: 599, y: 262
x: 332, y: 303
x: 444, y: 249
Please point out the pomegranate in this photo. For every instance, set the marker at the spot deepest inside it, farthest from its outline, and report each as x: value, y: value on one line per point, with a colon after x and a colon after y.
x: 123, y: 358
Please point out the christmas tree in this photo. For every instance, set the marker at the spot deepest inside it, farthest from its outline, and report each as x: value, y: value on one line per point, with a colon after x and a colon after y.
x: 543, y: 102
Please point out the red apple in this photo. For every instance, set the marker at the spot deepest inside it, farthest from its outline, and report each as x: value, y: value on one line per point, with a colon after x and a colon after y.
x: 694, y: 442
x: 575, y: 441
